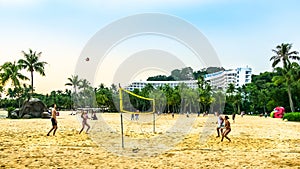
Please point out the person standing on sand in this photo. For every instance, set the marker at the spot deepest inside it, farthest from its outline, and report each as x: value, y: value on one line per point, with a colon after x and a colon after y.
x: 242, y: 113
x: 233, y: 117
x: 227, y: 129
x: 137, y: 115
x: 53, y: 120
x: 187, y: 114
x: 84, y: 117
x: 220, y: 124
x: 266, y: 114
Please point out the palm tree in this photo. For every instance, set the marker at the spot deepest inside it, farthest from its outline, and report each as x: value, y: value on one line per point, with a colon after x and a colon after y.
x: 68, y: 101
x: 32, y: 63
x: 230, y: 89
x: 287, y: 78
x: 160, y: 99
x: 283, y: 53
x: 20, y: 92
x: 168, y: 91
x: 74, y: 81
x: 84, y: 84
x: 175, y: 99
x: 11, y: 72
x: 101, y: 96
x: 232, y: 96
x: 219, y: 99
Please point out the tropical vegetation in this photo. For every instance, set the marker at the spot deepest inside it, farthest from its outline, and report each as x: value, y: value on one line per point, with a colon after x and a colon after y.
x: 267, y: 90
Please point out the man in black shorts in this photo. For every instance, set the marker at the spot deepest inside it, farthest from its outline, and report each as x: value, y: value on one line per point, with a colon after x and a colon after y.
x: 53, y: 121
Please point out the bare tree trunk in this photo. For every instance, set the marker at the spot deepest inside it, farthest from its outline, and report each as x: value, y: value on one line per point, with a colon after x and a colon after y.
x: 31, y: 83
x: 290, y: 98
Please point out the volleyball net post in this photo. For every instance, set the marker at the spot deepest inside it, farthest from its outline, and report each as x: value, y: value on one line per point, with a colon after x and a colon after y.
x: 121, y: 116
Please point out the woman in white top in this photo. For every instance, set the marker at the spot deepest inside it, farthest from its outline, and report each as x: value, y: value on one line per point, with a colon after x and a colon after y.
x: 220, y: 126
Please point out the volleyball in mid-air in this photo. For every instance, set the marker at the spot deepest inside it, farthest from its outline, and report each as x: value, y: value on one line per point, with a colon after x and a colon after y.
x: 87, y: 59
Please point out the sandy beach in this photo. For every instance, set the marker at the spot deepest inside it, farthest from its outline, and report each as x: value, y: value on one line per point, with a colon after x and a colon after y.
x: 257, y: 142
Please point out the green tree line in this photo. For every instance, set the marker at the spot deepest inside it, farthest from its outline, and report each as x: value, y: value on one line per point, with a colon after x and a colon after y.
x: 267, y: 90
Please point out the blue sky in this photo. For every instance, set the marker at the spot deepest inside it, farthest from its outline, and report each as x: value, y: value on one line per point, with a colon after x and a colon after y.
x: 242, y: 32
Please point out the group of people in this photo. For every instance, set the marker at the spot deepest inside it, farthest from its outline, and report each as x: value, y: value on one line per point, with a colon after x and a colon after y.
x: 84, y: 116
x: 223, y: 123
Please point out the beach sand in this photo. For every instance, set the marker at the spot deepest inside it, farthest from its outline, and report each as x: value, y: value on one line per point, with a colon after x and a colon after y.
x: 257, y: 142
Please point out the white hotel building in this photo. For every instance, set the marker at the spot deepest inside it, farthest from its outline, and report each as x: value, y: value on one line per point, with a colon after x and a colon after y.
x: 141, y: 84
x: 222, y: 79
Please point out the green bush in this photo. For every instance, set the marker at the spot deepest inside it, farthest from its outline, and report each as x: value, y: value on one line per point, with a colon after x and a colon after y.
x: 272, y: 114
x: 295, y: 116
x: 9, y: 110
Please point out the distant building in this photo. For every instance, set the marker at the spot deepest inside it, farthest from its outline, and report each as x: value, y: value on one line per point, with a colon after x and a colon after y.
x: 141, y: 84
x: 238, y: 76
x: 222, y: 79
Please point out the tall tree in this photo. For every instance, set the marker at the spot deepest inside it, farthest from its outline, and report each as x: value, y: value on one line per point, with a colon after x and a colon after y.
x: 287, y: 78
x: 32, y: 63
x: 168, y: 91
x: 102, y: 96
x: 10, y: 72
x: 283, y: 54
x: 74, y: 81
x: 205, y: 94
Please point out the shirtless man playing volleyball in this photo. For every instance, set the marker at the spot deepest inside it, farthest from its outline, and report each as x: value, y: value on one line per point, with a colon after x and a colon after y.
x: 53, y: 120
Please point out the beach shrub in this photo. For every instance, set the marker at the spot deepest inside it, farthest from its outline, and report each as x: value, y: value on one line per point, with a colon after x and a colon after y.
x: 9, y: 110
x: 272, y: 114
x: 295, y: 116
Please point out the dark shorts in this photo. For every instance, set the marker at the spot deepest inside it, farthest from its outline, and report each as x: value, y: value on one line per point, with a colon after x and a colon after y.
x: 53, y: 122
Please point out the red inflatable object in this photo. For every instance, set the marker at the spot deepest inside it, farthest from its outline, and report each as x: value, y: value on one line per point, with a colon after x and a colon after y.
x: 279, y: 112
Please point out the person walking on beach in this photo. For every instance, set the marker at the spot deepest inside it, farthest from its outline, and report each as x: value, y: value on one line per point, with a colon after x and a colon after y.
x: 137, y: 115
x: 266, y: 114
x: 53, y: 121
x: 233, y: 117
x: 242, y: 113
x: 220, y: 124
x: 94, y: 117
x: 84, y: 117
x: 227, y: 129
